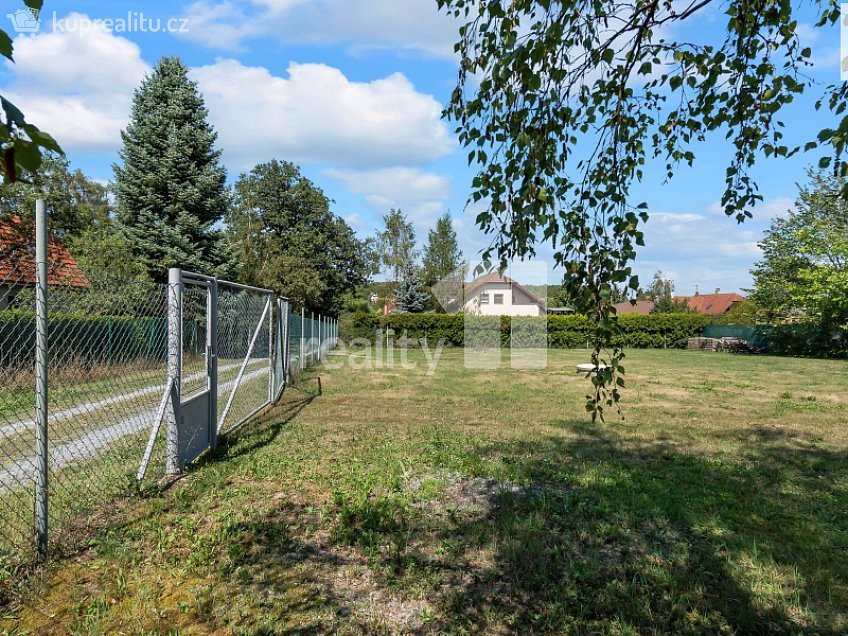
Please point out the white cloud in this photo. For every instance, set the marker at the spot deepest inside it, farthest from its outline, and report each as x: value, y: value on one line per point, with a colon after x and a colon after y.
x: 765, y: 212
x: 709, y: 250
x: 77, y: 87
x: 421, y: 195
x: 318, y: 115
x: 80, y: 88
x: 411, y: 25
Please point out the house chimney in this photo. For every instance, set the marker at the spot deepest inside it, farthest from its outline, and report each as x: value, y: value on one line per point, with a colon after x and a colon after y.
x: 718, y: 290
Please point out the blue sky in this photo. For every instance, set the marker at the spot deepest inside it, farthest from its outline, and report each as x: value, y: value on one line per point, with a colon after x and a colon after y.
x: 352, y: 92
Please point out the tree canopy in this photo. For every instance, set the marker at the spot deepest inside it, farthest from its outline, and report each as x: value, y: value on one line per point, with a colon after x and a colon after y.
x: 803, y: 274
x: 77, y: 204
x: 286, y: 238
x: 395, y: 244
x: 561, y: 104
x: 171, y: 187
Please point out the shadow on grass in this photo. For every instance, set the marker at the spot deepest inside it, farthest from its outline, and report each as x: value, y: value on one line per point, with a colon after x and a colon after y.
x: 585, y: 534
x: 590, y: 536
x: 265, y: 427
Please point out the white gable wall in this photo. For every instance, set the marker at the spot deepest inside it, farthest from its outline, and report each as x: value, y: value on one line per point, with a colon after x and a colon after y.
x: 522, y: 307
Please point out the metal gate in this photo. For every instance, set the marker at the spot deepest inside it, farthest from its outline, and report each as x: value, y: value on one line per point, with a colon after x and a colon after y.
x: 227, y: 352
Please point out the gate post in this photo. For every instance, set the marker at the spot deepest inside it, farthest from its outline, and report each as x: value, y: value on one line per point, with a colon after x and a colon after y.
x: 41, y: 362
x: 287, y: 342
x: 212, y: 359
x: 272, y: 364
x: 175, y: 351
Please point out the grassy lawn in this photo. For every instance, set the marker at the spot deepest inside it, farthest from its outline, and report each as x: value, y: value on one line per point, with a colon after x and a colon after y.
x: 485, y: 502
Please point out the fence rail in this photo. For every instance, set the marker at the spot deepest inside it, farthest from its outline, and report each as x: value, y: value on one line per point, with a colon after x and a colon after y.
x: 105, y: 382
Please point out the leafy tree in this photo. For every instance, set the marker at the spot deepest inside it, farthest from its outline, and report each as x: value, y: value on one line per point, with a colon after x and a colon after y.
x: 668, y: 305
x: 171, y: 187
x: 396, y: 243
x: 745, y: 312
x: 661, y: 293
x: 77, y: 204
x: 21, y: 143
x: 442, y: 256
x: 561, y: 104
x: 286, y: 238
x: 103, y: 251
x: 804, y: 270
x: 661, y: 288
x: 410, y: 296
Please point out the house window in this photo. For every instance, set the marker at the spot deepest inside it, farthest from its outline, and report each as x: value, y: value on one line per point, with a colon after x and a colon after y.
x: 499, y: 299
x: 484, y: 299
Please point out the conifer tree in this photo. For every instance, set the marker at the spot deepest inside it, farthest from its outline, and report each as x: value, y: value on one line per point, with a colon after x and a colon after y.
x: 171, y: 187
x: 410, y: 295
x: 442, y: 256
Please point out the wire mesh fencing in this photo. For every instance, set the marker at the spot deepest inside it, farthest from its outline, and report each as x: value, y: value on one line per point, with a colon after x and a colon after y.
x: 102, y: 379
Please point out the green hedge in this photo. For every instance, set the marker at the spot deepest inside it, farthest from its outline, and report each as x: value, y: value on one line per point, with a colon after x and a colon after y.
x: 84, y: 338
x: 563, y: 332
x: 807, y: 339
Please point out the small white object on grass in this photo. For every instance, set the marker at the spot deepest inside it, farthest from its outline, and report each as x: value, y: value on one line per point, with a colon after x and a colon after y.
x: 590, y: 368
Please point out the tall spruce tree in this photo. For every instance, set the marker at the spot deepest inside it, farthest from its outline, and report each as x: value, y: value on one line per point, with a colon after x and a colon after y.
x: 442, y: 256
x: 171, y: 187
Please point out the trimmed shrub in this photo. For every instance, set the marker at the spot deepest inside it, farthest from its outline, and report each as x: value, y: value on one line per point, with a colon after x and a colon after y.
x: 563, y: 332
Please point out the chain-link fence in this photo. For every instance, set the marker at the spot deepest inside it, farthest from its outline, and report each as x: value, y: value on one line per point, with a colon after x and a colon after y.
x: 103, y: 382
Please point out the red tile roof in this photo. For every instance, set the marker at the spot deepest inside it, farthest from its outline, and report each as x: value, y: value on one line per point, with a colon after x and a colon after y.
x: 17, y: 257
x: 643, y: 307
x: 711, y: 304
x: 498, y: 277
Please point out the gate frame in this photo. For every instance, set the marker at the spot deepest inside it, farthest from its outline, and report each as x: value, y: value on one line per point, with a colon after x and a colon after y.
x: 172, y: 403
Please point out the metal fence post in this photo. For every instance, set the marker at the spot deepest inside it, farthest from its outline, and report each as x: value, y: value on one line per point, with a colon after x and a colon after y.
x: 287, y: 344
x: 302, y: 338
x: 212, y: 359
x: 175, y: 350
x: 41, y: 387
x: 320, y: 342
x: 271, y: 357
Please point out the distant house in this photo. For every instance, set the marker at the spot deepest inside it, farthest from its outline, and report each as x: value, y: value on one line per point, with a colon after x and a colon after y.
x: 642, y: 307
x: 17, y: 262
x: 711, y: 304
x: 497, y: 295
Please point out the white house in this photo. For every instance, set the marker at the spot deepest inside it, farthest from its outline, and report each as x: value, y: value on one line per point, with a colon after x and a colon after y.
x: 497, y: 295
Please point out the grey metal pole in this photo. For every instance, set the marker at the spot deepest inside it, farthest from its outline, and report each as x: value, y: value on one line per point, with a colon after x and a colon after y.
x: 302, y: 338
x: 311, y: 337
x: 320, y: 342
x: 41, y: 386
x: 175, y: 351
x: 287, y: 345
x: 212, y: 360
x: 271, y: 363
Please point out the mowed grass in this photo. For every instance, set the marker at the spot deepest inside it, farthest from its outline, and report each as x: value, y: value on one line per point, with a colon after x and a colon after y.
x: 486, y: 502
